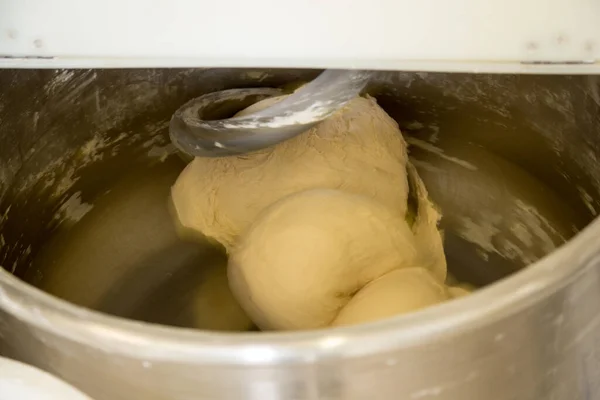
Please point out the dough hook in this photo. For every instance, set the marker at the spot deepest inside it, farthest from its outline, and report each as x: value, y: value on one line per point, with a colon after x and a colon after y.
x: 197, y: 129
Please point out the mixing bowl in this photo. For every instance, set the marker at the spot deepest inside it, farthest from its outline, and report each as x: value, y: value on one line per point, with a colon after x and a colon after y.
x: 98, y: 289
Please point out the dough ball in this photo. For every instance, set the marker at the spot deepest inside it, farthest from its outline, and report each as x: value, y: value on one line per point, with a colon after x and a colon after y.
x: 398, y: 292
x: 450, y: 279
x: 359, y: 150
x: 461, y: 290
x: 215, y: 307
x: 318, y: 228
x: 304, y: 258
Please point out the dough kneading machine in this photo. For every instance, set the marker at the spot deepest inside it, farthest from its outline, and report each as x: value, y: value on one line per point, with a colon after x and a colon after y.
x: 499, y: 100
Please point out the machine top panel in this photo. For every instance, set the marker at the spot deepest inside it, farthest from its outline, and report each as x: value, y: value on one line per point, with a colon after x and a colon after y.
x: 529, y: 36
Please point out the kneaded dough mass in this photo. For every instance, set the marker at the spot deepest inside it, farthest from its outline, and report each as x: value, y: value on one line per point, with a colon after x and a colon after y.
x: 358, y: 150
x: 318, y: 228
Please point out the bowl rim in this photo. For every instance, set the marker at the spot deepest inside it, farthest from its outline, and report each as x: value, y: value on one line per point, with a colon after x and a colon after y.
x: 158, y: 343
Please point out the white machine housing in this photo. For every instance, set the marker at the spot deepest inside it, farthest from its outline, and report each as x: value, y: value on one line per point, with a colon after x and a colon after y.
x: 524, y: 36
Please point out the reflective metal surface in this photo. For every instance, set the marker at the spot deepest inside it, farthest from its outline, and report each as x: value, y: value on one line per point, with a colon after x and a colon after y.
x: 85, y: 161
x: 195, y: 134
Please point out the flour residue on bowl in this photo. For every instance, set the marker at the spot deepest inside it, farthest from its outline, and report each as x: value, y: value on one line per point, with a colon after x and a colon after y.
x: 587, y: 199
x: 72, y: 210
x: 426, y: 146
x: 524, y: 236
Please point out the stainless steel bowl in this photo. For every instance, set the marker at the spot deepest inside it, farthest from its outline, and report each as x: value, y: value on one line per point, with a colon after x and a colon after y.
x: 85, y: 167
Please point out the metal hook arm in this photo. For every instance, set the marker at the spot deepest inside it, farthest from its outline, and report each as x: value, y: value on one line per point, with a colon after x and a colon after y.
x: 193, y: 132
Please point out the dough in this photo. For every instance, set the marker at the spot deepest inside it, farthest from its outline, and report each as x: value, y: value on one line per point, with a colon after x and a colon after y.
x: 425, y: 227
x: 460, y: 290
x: 214, y: 306
x: 307, y: 255
x: 397, y: 292
x: 318, y: 228
x: 359, y: 150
